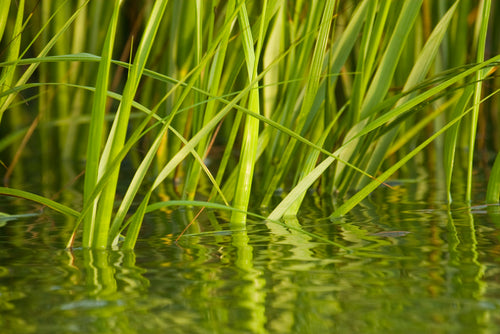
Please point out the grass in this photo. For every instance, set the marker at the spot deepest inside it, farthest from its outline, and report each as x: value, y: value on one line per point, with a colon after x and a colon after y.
x: 334, y: 96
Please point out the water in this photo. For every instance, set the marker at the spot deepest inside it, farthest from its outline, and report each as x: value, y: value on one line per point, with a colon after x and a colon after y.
x: 408, y: 265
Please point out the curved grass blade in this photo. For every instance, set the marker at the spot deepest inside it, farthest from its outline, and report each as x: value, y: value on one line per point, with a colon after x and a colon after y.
x: 385, y: 72
x: 379, y: 85
x: 363, y: 193
x: 340, y: 55
x: 417, y: 74
x: 407, y: 106
x: 40, y: 199
x: 147, y: 111
x: 302, y: 186
x: 50, y: 44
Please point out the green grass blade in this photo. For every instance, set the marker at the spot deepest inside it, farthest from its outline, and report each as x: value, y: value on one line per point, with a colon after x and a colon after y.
x: 96, y: 125
x: 313, y: 86
x: 340, y: 54
x: 251, y: 129
x: 135, y: 225
x: 118, y: 131
x: 451, y: 137
x: 4, y: 14
x: 6, y: 80
x: 416, y: 76
x: 371, y: 39
x: 40, y: 199
x: 493, y: 190
x: 482, y: 22
x: 407, y: 106
x: 139, y: 176
x: 213, y: 87
x: 298, y: 191
x: 363, y: 193
x: 50, y: 44
x: 382, y: 79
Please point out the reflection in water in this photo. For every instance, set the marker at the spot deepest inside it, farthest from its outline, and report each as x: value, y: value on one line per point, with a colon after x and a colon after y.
x: 441, y: 277
x: 59, y: 291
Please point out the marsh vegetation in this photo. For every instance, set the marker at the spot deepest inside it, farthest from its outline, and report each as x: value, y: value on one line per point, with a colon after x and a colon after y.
x: 283, y: 98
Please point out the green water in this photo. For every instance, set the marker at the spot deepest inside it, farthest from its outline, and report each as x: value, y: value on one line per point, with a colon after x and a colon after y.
x: 437, y: 274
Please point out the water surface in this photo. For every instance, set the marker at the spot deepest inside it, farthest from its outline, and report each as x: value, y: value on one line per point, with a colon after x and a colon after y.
x: 401, y: 262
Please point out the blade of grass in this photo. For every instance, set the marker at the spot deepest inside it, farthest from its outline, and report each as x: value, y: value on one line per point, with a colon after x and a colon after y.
x: 4, y: 14
x: 363, y: 193
x: 407, y: 106
x: 302, y: 186
x: 482, y: 23
x: 493, y: 190
x: 371, y: 39
x: 417, y: 74
x: 379, y: 85
x: 251, y: 129
x: 214, y: 85
x: 451, y: 137
x: 118, y: 131
x: 50, y: 44
x: 7, y: 77
x: 40, y: 199
x: 96, y: 130
x: 340, y: 54
x: 313, y: 85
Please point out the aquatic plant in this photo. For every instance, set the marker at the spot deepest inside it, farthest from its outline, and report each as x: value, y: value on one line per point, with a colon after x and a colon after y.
x: 325, y: 95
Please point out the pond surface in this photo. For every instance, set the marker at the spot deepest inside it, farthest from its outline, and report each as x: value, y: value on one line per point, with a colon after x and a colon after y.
x: 400, y: 263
